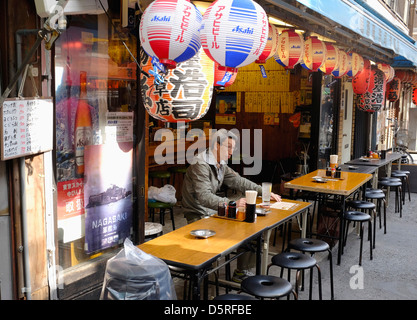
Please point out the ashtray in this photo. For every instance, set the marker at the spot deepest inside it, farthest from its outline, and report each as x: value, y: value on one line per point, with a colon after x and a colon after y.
x: 262, y: 211
x: 319, y: 179
x: 203, y: 233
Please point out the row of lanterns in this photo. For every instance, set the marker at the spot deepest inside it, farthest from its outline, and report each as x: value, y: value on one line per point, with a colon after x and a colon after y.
x: 236, y: 33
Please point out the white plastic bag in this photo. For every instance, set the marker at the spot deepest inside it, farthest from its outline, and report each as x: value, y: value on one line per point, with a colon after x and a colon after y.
x: 135, y: 275
x: 165, y: 194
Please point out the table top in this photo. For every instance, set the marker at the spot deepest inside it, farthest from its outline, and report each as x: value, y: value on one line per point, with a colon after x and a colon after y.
x: 390, y: 157
x: 348, y: 182
x: 358, y: 168
x: 179, y: 248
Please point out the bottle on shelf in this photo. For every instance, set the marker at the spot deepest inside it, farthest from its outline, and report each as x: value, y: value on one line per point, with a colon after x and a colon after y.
x: 83, y: 128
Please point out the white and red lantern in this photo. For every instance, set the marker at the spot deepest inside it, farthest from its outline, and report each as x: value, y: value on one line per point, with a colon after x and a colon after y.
x: 314, y: 54
x: 271, y: 45
x: 290, y: 50
x: 169, y: 30
x: 356, y: 64
x: 332, y: 59
x: 220, y: 82
x: 387, y: 70
x: 394, y: 89
x: 360, y: 82
x: 234, y: 33
x: 186, y: 92
x: 343, y: 65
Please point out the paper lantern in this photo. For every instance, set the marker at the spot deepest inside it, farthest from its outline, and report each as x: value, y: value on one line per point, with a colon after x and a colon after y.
x: 363, y: 102
x: 234, y: 33
x: 360, y: 82
x: 220, y: 82
x: 415, y: 95
x: 387, y: 70
x: 356, y: 64
x: 271, y: 45
x: 343, y: 65
x: 169, y: 30
x: 185, y: 95
x: 403, y: 75
x: 314, y: 54
x: 290, y: 49
x: 394, y: 89
x: 376, y: 90
x: 332, y: 59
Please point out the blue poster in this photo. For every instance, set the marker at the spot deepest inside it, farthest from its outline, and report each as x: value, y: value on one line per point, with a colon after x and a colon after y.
x: 107, y: 195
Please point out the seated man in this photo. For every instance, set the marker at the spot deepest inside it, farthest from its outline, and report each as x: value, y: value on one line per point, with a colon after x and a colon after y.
x: 204, y: 179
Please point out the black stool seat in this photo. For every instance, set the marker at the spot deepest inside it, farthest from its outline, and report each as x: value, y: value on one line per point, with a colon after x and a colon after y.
x: 360, y: 204
x: 401, y: 171
x: 389, y: 179
x: 263, y: 286
x: 308, y: 245
x: 357, y: 216
x: 234, y: 297
x: 390, y: 183
x: 293, y: 260
x: 398, y: 174
x: 374, y: 190
x: 374, y: 195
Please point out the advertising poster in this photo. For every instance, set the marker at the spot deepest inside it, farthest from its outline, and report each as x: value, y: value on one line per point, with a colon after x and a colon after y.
x: 226, y: 108
x: 107, y: 195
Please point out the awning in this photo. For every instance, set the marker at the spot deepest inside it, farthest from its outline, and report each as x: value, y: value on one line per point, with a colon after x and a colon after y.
x: 351, y: 15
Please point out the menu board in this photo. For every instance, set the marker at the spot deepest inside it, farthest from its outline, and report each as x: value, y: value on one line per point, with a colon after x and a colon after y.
x: 26, y: 127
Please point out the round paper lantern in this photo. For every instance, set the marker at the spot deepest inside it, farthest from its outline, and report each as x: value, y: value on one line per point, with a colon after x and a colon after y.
x: 387, y: 70
x: 415, y: 95
x: 343, y: 65
x: 234, y: 33
x: 360, y: 82
x: 413, y: 77
x: 169, y: 30
x: 332, y: 59
x: 314, y: 54
x: 356, y: 63
x: 219, y: 77
x: 403, y: 75
x: 394, y: 89
x: 186, y: 92
x: 290, y: 49
x: 271, y: 45
x: 376, y: 90
x: 363, y: 102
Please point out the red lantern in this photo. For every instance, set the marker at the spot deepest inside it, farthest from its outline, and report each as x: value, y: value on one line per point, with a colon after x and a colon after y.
x: 403, y: 75
x: 363, y: 102
x: 332, y: 59
x: 415, y: 95
x: 360, y: 82
x: 219, y: 74
x: 394, y: 89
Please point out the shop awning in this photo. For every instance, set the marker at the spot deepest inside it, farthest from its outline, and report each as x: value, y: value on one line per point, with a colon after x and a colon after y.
x: 354, y: 16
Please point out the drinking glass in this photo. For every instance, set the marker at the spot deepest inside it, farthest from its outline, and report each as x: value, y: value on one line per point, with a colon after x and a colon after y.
x: 266, y: 192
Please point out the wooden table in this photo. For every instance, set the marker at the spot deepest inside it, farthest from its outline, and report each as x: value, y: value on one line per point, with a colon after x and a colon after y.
x: 182, y: 250
x: 345, y: 186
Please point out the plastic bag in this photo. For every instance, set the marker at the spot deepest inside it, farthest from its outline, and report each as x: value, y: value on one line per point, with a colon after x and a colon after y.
x: 135, y: 275
x: 165, y: 194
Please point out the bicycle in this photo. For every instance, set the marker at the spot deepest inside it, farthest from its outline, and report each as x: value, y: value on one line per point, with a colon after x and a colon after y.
x: 400, y: 141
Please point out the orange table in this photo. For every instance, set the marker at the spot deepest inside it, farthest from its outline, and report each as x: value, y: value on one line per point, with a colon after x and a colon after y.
x: 345, y: 186
x: 180, y: 249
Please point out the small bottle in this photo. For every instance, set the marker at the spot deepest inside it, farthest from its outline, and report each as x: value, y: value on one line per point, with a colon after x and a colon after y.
x: 83, y: 131
x: 231, y: 210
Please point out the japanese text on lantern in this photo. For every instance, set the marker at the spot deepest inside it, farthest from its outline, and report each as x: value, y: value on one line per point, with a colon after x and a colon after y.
x: 184, y: 23
x: 216, y: 26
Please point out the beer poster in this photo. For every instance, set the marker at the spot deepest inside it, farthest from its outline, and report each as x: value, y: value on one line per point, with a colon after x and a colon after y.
x: 107, y: 195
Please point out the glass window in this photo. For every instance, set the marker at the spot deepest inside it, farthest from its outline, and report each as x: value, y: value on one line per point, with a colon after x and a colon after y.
x: 95, y: 97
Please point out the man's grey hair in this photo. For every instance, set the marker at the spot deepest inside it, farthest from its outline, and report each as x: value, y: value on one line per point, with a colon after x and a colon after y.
x: 220, y: 136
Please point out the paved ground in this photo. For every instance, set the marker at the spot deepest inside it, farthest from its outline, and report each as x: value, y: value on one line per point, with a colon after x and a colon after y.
x: 391, y: 275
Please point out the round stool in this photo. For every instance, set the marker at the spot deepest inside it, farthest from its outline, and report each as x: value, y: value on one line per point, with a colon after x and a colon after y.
x: 299, y: 262
x: 379, y: 196
x: 164, y: 176
x: 162, y: 206
x: 403, y: 176
x: 312, y: 246
x: 360, y: 205
x: 270, y: 287
x: 396, y: 183
x: 360, y: 217
x: 407, y: 181
x: 152, y: 230
x: 234, y: 297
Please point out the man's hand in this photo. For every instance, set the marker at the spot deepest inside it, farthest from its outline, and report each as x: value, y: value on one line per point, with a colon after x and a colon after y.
x: 276, y: 197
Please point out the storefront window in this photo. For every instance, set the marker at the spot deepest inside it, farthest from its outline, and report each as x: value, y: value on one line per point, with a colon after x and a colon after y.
x: 95, y: 98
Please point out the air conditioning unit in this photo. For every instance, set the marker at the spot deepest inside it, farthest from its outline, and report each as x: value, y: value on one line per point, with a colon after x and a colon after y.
x: 45, y: 7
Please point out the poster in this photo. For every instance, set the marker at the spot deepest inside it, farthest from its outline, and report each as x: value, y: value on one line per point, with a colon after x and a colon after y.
x: 226, y: 108
x: 107, y: 195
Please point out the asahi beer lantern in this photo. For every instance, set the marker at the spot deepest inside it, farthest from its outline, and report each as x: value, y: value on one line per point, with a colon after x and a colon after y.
x: 290, y: 49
